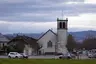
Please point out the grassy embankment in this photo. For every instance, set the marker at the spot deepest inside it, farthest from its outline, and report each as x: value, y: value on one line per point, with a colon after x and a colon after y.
x: 45, y: 61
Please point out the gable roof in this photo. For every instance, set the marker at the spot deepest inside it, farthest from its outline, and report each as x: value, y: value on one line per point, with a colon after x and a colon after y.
x: 3, y: 38
x: 27, y: 40
x: 46, y: 33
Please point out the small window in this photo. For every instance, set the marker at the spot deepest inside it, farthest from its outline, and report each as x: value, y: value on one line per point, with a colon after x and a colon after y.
x: 49, y: 44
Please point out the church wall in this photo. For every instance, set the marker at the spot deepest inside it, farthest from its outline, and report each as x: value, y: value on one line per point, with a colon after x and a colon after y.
x: 45, y: 39
x: 62, y: 36
x: 62, y: 41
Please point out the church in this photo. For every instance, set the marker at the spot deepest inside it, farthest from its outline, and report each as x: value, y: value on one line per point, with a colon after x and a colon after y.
x: 49, y: 43
x: 54, y: 43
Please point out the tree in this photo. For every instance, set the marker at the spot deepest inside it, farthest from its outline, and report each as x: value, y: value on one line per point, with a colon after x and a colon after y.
x: 15, y: 48
x: 89, y: 43
x: 71, y: 43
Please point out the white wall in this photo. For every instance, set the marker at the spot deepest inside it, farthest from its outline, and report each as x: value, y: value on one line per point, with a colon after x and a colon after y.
x: 28, y: 50
x: 49, y: 36
x: 62, y: 40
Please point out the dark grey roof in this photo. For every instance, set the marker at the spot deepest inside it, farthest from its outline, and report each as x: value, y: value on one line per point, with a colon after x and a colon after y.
x: 27, y: 40
x: 3, y: 38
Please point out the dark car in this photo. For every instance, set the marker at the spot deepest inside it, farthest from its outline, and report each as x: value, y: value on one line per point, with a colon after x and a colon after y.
x: 24, y: 55
x: 67, y: 56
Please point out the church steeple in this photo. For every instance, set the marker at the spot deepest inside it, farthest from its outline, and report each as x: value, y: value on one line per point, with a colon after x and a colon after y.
x: 62, y: 35
x: 62, y: 24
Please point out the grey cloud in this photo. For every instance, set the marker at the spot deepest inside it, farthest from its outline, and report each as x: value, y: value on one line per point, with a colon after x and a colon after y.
x: 12, y: 10
x: 4, y: 28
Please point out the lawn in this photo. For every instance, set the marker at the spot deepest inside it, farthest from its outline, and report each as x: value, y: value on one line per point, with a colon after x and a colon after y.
x: 45, y: 61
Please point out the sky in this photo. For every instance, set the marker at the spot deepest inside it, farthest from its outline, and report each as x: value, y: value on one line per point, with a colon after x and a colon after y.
x: 37, y: 16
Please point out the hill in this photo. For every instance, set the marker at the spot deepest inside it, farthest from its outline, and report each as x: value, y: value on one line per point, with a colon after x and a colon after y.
x: 79, y: 36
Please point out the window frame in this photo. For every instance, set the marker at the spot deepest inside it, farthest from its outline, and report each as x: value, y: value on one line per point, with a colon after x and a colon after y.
x: 49, y: 44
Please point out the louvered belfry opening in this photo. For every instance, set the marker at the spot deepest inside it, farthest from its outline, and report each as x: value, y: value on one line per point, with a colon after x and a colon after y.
x: 62, y: 25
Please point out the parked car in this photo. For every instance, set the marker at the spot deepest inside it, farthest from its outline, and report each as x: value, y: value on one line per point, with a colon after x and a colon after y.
x: 92, y: 55
x: 67, y: 56
x: 24, y: 55
x: 14, y: 55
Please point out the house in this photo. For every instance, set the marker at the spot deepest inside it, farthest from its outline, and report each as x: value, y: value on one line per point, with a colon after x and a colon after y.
x: 25, y: 44
x: 3, y: 40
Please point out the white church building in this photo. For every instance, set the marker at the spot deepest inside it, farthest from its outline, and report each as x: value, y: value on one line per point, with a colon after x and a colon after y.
x: 51, y: 42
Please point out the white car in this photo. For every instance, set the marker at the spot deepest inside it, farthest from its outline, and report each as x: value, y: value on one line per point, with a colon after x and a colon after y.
x: 66, y: 56
x: 14, y: 55
x: 92, y: 55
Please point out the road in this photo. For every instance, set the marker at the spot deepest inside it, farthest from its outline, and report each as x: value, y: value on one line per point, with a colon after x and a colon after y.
x: 47, y: 57
x: 36, y: 57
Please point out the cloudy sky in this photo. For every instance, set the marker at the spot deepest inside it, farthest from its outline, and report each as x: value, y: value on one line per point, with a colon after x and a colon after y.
x: 36, y: 16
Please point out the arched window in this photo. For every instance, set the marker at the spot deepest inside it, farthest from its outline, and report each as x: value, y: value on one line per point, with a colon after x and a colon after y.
x: 64, y: 25
x: 49, y: 44
x: 60, y: 25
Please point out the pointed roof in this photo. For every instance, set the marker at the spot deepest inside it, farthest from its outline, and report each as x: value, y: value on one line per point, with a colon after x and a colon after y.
x: 3, y: 38
x: 27, y: 40
x: 47, y: 32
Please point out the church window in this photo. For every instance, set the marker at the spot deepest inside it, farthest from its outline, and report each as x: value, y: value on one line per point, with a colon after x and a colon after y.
x: 49, y: 44
x: 63, y: 25
x: 60, y: 25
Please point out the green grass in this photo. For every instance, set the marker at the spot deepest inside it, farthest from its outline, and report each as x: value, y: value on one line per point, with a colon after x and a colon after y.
x: 45, y: 61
